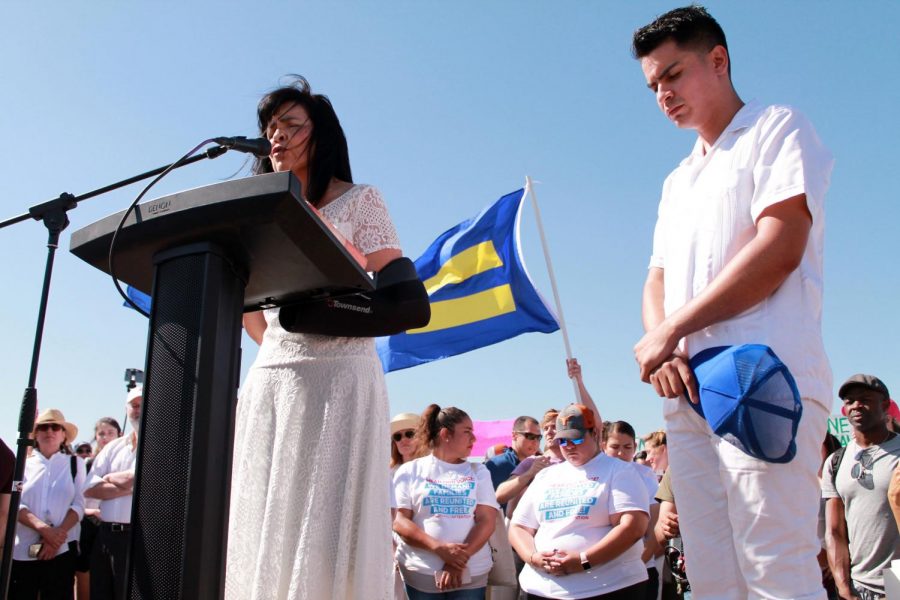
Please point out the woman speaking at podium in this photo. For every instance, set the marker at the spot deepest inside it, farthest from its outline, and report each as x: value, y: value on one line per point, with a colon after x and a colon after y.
x: 310, y: 503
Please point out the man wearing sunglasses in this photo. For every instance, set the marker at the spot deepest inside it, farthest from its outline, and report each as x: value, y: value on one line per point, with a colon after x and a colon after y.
x: 861, y: 537
x: 526, y: 441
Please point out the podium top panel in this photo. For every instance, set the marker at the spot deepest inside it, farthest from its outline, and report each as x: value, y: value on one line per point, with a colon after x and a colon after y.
x: 263, y: 224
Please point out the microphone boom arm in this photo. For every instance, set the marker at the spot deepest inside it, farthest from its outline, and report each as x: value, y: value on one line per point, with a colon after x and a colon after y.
x: 54, y: 215
x: 68, y: 201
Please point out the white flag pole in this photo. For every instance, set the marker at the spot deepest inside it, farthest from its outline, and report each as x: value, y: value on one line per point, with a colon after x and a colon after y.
x: 559, y: 311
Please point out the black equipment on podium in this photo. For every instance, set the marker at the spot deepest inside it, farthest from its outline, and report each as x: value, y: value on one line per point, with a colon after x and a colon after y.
x: 398, y: 302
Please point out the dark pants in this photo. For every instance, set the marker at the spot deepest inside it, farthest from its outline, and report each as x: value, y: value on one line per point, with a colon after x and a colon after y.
x: 53, y: 579
x: 89, y: 526
x: 632, y: 592
x: 475, y: 594
x: 109, y: 578
x: 652, y: 584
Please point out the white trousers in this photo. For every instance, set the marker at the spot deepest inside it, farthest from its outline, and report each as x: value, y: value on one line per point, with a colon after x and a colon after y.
x: 749, y: 527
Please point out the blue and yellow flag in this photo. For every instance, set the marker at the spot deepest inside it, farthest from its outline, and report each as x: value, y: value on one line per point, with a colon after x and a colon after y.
x: 479, y: 290
x: 138, y: 297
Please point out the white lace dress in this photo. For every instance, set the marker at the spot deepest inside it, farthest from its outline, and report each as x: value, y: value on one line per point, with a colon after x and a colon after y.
x: 310, y: 503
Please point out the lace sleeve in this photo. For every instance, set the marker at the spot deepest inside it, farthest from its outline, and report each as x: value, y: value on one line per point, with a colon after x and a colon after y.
x: 373, y: 229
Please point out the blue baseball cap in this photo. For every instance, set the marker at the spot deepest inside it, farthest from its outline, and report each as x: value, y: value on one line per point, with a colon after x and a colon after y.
x: 750, y: 399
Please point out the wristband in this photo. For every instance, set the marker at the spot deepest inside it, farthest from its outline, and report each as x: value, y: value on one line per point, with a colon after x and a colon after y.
x: 584, y: 562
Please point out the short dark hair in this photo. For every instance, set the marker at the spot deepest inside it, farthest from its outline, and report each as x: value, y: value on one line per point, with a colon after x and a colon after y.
x: 689, y: 27
x: 522, y: 421
x: 329, y: 156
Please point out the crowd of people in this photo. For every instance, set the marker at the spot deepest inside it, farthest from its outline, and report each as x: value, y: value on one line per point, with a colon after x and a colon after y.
x: 74, y: 515
x: 587, y: 518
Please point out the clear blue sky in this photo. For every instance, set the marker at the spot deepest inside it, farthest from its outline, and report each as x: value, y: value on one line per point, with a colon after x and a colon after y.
x: 447, y: 107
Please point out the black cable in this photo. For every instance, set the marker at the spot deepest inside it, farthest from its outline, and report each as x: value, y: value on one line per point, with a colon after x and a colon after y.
x: 112, y: 242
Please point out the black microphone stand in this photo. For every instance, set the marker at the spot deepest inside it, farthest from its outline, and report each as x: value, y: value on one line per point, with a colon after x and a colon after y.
x: 54, y: 214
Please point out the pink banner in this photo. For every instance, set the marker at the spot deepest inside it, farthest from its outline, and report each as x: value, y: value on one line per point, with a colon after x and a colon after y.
x: 490, y: 433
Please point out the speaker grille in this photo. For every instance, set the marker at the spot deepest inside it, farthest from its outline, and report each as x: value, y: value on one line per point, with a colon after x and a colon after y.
x: 167, y: 426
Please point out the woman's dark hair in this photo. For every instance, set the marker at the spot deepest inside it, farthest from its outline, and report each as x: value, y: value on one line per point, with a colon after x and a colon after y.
x: 328, y: 154
x: 107, y: 421
x: 642, y: 455
x: 434, y: 419
x: 618, y: 427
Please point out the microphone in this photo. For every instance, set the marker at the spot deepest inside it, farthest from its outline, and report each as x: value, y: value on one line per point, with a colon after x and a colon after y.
x: 258, y: 146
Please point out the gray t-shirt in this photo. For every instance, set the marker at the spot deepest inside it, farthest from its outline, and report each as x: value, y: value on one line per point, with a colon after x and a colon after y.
x: 874, y: 539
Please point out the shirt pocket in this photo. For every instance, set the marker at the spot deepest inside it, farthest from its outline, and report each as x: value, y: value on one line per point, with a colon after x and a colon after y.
x: 725, y: 224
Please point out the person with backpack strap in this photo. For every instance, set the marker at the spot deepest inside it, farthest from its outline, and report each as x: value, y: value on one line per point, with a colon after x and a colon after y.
x: 50, y: 511
x: 861, y: 537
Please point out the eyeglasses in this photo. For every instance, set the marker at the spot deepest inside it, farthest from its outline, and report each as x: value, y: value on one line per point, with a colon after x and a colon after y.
x: 408, y: 434
x: 83, y: 451
x: 531, y: 437
x: 50, y: 426
x: 863, y: 465
x: 577, y: 442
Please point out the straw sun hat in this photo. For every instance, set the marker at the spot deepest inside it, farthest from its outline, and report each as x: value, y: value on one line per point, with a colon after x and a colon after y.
x: 404, y: 421
x: 52, y: 415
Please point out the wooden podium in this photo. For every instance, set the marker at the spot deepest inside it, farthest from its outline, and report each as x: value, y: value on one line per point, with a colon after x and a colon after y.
x: 206, y: 256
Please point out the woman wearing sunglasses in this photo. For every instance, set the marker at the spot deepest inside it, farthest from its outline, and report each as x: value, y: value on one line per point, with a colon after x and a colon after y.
x: 404, y: 448
x: 403, y: 439
x: 445, y: 512
x: 580, y: 524
x: 52, y: 504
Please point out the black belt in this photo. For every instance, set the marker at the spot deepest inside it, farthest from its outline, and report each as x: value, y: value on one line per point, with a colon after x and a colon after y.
x: 116, y: 527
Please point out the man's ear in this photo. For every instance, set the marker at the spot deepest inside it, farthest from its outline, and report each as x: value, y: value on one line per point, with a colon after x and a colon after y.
x: 720, y: 59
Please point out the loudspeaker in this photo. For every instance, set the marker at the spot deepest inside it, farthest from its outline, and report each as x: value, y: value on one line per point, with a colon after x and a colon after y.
x: 183, y: 483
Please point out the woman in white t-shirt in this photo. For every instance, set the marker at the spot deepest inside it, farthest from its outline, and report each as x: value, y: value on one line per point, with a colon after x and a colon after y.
x: 445, y: 512
x: 620, y: 441
x: 580, y: 524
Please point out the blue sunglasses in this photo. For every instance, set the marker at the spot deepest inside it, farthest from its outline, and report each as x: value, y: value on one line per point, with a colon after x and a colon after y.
x: 564, y: 442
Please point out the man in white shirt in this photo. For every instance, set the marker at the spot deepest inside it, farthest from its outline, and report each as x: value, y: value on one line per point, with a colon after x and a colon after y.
x: 112, y: 481
x: 737, y: 258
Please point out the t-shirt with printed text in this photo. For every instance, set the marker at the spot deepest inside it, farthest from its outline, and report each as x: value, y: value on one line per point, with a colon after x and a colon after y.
x: 442, y: 497
x: 570, y: 507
